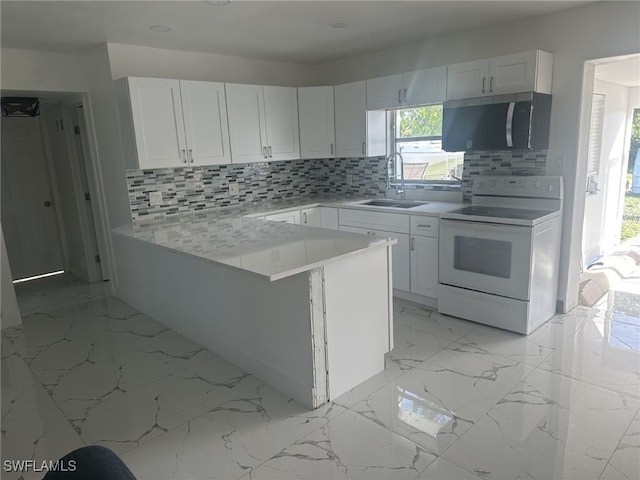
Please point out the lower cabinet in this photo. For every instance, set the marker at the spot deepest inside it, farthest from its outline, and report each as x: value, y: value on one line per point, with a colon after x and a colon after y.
x: 324, y: 217
x: 424, y: 255
x: 424, y: 266
x: 400, y: 253
x: 289, y: 217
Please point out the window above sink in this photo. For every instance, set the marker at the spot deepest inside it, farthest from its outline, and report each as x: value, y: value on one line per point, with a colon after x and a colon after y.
x: 418, y: 138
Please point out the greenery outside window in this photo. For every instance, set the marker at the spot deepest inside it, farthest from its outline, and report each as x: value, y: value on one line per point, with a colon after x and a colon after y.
x: 418, y: 138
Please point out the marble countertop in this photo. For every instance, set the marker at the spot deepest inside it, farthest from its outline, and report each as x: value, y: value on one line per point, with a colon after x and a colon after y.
x: 273, y: 250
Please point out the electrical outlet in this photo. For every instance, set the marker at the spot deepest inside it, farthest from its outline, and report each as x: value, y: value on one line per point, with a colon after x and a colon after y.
x: 234, y: 189
x: 155, y: 199
x: 349, y: 179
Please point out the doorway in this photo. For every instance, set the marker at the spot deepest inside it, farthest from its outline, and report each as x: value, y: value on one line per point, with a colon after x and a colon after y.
x: 49, y: 216
x: 607, y: 257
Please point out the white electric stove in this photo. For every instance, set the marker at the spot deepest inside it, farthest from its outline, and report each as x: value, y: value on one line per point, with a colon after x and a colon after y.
x: 499, y: 257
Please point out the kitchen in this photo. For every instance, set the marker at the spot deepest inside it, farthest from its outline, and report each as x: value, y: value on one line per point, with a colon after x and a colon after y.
x: 121, y: 62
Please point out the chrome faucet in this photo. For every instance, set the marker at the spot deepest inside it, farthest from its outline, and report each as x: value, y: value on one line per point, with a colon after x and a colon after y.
x: 391, y: 163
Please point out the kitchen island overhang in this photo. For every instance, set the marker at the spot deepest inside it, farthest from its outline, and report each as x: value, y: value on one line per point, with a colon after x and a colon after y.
x: 307, y: 310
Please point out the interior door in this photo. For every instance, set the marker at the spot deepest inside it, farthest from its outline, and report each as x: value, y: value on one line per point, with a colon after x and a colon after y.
x: 29, y: 220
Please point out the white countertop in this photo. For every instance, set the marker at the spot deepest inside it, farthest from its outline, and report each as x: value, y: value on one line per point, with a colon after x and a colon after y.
x: 273, y: 250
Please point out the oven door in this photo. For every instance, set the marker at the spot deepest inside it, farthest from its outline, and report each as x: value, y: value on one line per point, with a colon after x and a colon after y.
x: 487, y: 257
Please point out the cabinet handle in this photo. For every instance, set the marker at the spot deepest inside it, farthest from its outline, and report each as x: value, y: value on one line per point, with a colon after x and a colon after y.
x: 491, y: 84
x: 413, y: 243
x: 184, y: 155
x: 424, y: 226
x: 399, y: 96
x: 190, y: 155
x: 270, y: 151
x: 264, y: 152
x: 363, y: 148
x: 304, y: 217
x: 332, y: 149
x: 405, y: 95
x: 484, y: 79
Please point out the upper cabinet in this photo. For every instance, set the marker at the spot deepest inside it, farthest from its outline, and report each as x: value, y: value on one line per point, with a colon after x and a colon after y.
x: 410, y: 89
x: 317, y: 122
x: 263, y: 123
x: 173, y: 123
x: 520, y: 72
x: 359, y: 133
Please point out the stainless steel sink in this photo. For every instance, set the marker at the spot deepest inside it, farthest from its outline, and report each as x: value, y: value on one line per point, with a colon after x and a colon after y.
x: 393, y: 203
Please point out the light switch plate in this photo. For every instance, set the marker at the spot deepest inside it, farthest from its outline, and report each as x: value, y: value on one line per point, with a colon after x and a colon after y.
x: 349, y: 179
x: 234, y: 189
x: 155, y: 199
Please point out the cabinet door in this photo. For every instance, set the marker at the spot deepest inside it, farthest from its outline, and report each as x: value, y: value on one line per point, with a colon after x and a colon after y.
x: 287, y: 217
x: 156, y: 109
x: 329, y: 217
x: 317, y: 122
x: 385, y: 92
x: 512, y: 73
x: 204, y: 109
x: 426, y: 86
x: 469, y: 79
x: 247, y: 133
x: 311, y: 216
x: 351, y: 123
x: 399, y: 251
x: 281, y: 119
x: 424, y: 266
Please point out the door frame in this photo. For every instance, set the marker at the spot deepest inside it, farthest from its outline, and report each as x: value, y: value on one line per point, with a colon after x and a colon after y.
x: 97, y: 192
x: 95, y: 184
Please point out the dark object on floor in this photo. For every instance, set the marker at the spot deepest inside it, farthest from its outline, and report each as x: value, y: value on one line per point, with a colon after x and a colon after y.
x: 91, y: 463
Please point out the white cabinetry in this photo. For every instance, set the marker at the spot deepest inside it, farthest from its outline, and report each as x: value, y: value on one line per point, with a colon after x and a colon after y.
x: 424, y: 256
x: 263, y: 123
x: 292, y: 216
x: 520, y: 72
x: 173, y: 123
x: 324, y: 217
x: 420, y: 87
x: 317, y: 122
x: 388, y: 225
x: 358, y: 132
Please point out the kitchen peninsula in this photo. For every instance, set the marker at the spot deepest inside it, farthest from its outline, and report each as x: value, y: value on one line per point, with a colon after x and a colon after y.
x: 308, y: 310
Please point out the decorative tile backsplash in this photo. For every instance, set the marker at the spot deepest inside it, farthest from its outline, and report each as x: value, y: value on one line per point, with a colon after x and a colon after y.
x: 199, y: 188
x: 501, y: 163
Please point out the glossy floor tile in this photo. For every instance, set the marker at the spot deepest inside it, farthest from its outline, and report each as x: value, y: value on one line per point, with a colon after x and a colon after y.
x: 457, y: 400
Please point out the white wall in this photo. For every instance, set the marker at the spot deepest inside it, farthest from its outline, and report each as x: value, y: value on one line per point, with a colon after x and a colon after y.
x: 41, y: 71
x: 130, y: 60
x: 599, y: 30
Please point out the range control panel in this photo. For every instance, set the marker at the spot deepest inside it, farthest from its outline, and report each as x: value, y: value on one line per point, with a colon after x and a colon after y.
x: 518, y: 186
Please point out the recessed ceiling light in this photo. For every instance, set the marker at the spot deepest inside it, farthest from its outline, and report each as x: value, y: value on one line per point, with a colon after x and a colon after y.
x: 217, y: 3
x: 160, y: 28
x: 339, y: 25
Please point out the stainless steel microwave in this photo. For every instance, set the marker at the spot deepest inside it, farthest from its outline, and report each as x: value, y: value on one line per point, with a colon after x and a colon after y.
x: 517, y: 121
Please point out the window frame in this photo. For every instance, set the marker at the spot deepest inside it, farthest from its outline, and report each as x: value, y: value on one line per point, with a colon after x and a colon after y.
x: 395, y: 142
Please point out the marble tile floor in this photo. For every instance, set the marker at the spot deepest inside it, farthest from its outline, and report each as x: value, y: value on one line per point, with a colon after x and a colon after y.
x: 457, y: 401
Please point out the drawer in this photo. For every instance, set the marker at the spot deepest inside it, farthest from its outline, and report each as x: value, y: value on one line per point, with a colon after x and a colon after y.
x: 392, y: 222
x: 423, y: 225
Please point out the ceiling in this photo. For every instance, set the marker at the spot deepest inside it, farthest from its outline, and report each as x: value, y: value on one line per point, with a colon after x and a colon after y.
x: 288, y: 31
